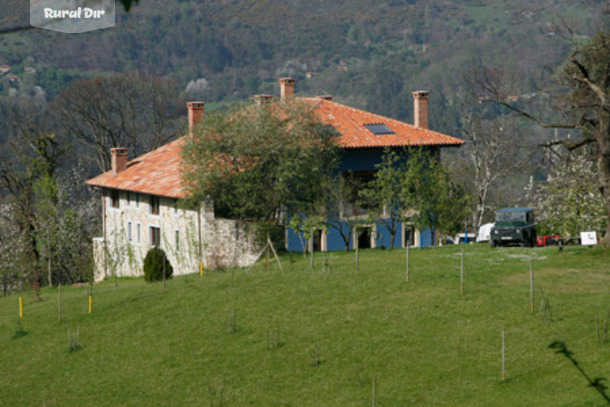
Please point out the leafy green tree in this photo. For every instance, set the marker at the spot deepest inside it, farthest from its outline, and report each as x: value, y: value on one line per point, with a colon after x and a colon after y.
x: 342, y: 206
x: 430, y: 196
x: 413, y: 186
x: 47, y: 224
x: 260, y: 161
x: 156, y: 266
x: 304, y: 227
x: 383, y: 195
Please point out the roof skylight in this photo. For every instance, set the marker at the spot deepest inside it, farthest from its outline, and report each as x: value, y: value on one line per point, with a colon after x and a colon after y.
x: 379, y: 129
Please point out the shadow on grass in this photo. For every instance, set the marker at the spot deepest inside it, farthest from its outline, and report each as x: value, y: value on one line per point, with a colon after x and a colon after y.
x: 596, y: 383
x: 20, y: 333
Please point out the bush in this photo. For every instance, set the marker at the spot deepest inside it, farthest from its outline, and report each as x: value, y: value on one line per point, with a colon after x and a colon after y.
x: 153, y: 265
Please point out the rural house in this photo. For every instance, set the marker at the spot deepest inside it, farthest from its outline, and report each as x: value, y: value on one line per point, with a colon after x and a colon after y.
x: 139, y: 197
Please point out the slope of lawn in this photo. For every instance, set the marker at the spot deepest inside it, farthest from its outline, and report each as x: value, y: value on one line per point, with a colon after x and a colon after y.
x: 331, y: 336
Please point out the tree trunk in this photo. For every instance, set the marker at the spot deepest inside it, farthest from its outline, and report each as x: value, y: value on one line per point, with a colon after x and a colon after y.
x: 603, y: 166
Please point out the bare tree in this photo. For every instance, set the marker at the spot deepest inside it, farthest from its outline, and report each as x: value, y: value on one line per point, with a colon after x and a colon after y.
x: 493, y: 154
x: 585, y: 104
x: 130, y: 110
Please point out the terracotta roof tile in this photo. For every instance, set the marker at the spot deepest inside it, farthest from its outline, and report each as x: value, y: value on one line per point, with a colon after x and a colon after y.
x: 350, y: 123
x: 158, y: 172
x: 154, y: 173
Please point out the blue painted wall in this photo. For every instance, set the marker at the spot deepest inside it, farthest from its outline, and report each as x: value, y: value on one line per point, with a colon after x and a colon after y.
x: 361, y: 159
x: 335, y: 242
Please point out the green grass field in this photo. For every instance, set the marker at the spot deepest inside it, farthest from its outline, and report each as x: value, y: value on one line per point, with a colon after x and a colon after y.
x: 250, y: 339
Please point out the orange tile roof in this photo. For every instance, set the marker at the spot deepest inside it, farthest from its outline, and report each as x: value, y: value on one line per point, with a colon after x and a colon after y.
x: 349, y: 122
x: 154, y: 173
x: 158, y: 172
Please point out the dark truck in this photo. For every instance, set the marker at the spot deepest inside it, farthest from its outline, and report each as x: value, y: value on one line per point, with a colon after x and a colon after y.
x: 514, y: 226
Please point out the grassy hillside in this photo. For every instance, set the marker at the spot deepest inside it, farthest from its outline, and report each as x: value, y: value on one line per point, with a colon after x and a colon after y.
x: 234, y: 338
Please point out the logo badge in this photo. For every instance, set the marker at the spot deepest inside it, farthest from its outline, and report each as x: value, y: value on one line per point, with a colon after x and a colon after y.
x: 72, y: 16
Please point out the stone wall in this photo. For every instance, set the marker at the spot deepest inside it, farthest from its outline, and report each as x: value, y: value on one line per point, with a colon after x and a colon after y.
x: 185, y: 235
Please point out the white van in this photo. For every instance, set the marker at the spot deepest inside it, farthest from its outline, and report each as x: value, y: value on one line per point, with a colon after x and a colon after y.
x: 485, y: 232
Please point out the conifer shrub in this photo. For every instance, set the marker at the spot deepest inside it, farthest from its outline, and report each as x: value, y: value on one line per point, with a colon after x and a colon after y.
x: 153, y: 265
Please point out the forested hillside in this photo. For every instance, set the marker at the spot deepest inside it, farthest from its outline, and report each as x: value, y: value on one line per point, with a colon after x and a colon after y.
x: 368, y: 54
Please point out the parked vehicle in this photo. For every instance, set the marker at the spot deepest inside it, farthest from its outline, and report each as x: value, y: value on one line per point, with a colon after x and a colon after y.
x: 485, y: 232
x: 462, y: 238
x: 445, y: 240
x: 514, y: 226
x: 548, y: 240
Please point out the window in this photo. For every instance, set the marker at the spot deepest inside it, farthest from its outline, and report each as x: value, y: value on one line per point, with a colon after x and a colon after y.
x: 138, y: 227
x: 128, y: 198
x: 177, y: 240
x: 175, y: 207
x: 137, y: 200
x: 379, y: 129
x: 115, y: 197
x: 154, y: 205
x: 155, y: 236
x: 129, y: 235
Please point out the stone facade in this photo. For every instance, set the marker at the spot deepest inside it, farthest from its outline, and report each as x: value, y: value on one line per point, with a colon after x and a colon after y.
x: 134, y: 223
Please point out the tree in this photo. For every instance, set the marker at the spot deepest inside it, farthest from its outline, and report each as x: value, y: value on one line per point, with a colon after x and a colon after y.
x: 429, y: 194
x: 492, y: 154
x: 156, y: 266
x: 384, y: 196
x: 135, y: 111
x: 413, y: 186
x: 569, y: 201
x: 586, y: 105
x: 342, y: 206
x: 28, y: 167
x: 260, y: 162
x: 304, y: 227
x: 41, y: 234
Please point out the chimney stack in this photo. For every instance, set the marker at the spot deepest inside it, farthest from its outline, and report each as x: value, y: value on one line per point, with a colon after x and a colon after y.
x: 420, y: 109
x: 286, y: 88
x: 119, y: 159
x: 263, y: 99
x: 195, y: 110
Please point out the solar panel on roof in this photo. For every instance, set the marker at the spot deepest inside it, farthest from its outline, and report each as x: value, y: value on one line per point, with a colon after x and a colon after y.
x: 379, y: 129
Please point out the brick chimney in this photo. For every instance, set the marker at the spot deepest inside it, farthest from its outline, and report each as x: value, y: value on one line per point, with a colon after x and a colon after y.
x: 195, y: 110
x: 420, y: 109
x: 263, y: 99
x: 286, y: 88
x: 119, y: 159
